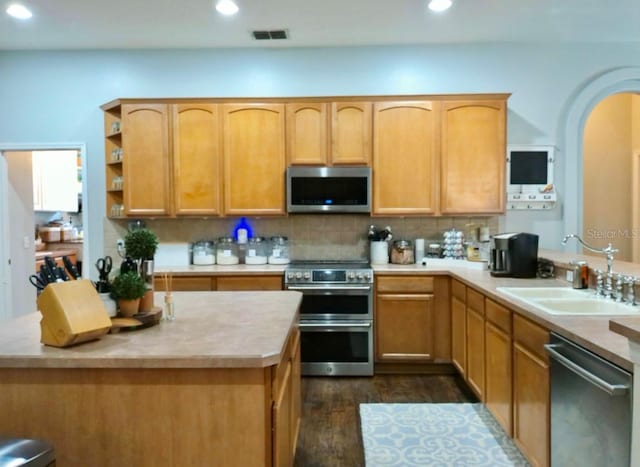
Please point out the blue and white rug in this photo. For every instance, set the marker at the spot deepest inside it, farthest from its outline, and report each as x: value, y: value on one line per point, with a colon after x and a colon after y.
x: 440, y: 435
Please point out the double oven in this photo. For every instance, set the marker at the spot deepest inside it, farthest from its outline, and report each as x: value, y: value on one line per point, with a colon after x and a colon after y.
x: 336, y: 316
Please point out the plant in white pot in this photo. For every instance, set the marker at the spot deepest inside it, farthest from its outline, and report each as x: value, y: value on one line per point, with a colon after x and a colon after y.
x: 127, y: 289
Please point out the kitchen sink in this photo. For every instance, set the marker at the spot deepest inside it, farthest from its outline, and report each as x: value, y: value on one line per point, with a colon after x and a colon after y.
x: 566, y: 301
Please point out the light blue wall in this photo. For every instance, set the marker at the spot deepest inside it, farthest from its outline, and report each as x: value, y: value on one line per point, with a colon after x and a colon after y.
x: 55, y: 96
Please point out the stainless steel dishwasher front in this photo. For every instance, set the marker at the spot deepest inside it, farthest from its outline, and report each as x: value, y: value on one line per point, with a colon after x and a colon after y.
x: 591, y: 408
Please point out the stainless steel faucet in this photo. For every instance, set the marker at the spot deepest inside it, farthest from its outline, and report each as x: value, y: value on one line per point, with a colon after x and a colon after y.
x: 608, y: 251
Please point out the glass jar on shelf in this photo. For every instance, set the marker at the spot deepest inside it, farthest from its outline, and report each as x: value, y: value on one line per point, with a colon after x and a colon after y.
x: 227, y: 251
x: 257, y: 251
x: 279, y: 250
x: 204, y: 253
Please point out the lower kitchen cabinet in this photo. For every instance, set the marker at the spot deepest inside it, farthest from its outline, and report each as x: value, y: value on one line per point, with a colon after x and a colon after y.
x: 187, y: 283
x: 412, y: 319
x: 531, y: 401
x: 459, y: 326
x: 498, y: 364
x: 475, y: 342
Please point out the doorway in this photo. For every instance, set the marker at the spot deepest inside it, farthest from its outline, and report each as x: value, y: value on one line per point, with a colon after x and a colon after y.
x: 17, y: 218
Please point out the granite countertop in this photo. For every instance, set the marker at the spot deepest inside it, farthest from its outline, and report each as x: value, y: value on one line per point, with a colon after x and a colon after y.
x: 44, y: 253
x: 592, y: 332
x: 211, y: 330
x: 231, y: 270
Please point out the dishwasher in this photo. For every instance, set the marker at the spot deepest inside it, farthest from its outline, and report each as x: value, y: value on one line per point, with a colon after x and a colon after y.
x: 591, y: 408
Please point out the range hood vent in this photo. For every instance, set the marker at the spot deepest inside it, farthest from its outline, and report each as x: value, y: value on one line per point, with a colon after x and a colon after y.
x: 270, y: 35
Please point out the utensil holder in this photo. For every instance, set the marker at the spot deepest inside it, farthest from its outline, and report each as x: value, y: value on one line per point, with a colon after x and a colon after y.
x: 379, y: 253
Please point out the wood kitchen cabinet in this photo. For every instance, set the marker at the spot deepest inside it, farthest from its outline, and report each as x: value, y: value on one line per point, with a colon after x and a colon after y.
x: 498, y: 364
x: 412, y: 322
x: 475, y: 342
x: 473, y: 156
x: 325, y: 133
x: 254, y: 159
x: 221, y: 282
x: 459, y: 326
x: 405, y: 158
x: 145, y: 158
x: 531, y: 394
x: 197, y: 159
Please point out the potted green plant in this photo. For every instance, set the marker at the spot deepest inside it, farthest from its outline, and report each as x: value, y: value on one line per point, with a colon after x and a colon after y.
x: 141, y: 245
x: 127, y: 289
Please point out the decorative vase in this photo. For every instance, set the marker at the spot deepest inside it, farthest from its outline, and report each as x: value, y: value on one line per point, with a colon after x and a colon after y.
x: 128, y: 308
x: 146, y: 302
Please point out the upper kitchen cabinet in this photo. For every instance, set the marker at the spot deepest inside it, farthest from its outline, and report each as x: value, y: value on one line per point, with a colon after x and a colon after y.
x: 145, y: 147
x: 254, y: 158
x: 324, y: 133
x: 404, y: 158
x: 351, y: 133
x: 473, y: 155
x: 197, y: 159
x: 307, y: 135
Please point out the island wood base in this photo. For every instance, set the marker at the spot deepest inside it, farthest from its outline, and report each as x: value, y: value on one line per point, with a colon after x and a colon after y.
x: 153, y: 417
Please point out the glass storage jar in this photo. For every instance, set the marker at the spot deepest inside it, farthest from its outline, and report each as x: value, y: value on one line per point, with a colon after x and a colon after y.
x: 204, y: 253
x: 279, y: 250
x: 256, y: 251
x: 402, y: 252
x: 227, y: 251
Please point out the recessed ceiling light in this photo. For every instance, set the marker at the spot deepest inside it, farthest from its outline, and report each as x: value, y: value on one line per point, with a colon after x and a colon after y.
x: 226, y: 7
x: 18, y: 11
x: 439, y: 5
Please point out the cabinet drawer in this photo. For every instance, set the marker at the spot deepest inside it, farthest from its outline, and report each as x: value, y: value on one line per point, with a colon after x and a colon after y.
x: 475, y: 301
x: 530, y: 336
x: 406, y: 284
x: 498, y: 315
x: 249, y: 283
x: 459, y: 290
x: 185, y: 284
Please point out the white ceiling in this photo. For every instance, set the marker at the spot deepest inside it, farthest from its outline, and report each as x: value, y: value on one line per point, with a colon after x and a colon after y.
x: 116, y: 24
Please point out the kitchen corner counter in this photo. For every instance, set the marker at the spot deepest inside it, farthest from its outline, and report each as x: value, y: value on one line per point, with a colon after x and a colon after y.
x: 627, y: 327
x: 211, y: 330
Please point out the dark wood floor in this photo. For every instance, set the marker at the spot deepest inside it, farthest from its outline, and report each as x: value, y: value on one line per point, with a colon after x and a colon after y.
x: 330, y: 428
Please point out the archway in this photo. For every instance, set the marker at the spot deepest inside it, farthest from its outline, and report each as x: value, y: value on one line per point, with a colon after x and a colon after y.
x: 579, y: 108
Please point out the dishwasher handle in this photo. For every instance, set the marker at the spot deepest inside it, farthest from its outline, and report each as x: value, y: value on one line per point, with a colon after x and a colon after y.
x: 611, y: 389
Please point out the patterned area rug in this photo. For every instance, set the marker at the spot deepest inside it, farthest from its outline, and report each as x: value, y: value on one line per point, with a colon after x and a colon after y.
x: 458, y: 435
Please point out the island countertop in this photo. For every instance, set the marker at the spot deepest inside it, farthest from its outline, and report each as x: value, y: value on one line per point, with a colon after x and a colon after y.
x: 211, y: 330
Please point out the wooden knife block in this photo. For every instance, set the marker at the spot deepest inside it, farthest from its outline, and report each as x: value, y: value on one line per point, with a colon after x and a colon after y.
x: 72, y: 312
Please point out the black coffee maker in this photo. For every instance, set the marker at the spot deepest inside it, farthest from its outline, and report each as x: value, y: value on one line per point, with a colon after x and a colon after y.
x: 514, y: 255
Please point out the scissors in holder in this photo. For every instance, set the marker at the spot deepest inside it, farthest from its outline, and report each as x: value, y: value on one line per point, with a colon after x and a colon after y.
x: 104, y: 266
x: 37, y: 282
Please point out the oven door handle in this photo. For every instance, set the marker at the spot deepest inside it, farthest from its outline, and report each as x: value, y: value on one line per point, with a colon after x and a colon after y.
x: 333, y: 324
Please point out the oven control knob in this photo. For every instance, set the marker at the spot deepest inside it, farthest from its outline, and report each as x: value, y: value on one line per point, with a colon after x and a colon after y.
x: 351, y: 276
x: 307, y: 276
x: 367, y: 277
x: 290, y: 276
x: 298, y: 275
x: 360, y: 276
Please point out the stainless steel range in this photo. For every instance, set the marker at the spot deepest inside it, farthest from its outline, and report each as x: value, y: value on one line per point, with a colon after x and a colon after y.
x: 336, y: 316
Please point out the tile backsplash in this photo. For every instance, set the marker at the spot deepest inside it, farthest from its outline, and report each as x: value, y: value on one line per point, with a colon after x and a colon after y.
x: 316, y: 236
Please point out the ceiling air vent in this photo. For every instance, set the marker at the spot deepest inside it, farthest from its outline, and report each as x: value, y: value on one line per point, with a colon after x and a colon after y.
x: 269, y: 35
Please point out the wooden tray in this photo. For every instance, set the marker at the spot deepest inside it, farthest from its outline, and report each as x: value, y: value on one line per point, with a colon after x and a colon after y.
x: 139, y: 321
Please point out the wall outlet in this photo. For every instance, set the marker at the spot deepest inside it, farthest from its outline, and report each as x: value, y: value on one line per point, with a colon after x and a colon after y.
x: 120, y: 243
x: 569, y: 275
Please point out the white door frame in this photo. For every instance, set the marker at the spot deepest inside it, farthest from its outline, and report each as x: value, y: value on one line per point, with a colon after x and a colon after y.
x: 5, y: 271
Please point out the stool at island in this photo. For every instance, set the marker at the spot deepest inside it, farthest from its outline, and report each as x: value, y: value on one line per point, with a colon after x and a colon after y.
x: 72, y: 312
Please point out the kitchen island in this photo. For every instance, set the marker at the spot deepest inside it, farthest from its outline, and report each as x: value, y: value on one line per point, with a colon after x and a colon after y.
x: 220, y: 385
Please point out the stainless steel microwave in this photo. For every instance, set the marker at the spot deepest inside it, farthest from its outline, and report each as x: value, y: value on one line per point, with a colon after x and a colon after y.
x: 329, y: 189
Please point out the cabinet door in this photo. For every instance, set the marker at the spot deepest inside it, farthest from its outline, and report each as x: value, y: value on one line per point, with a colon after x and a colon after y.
x: 404, y: 327
x: 254, y: 159
x: 281, y: 416
x: 249, y: 283
x: 473, y: 157
x: 307, y: 136
x: 196, y: 159
x: 458, y: 334
x: 184, y: 283
x: 475, y: 351
x: 531, y: 405
x: 404, y: 158
x: 145, y: 146
x: 498, y: 376
x: 351, y: 133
